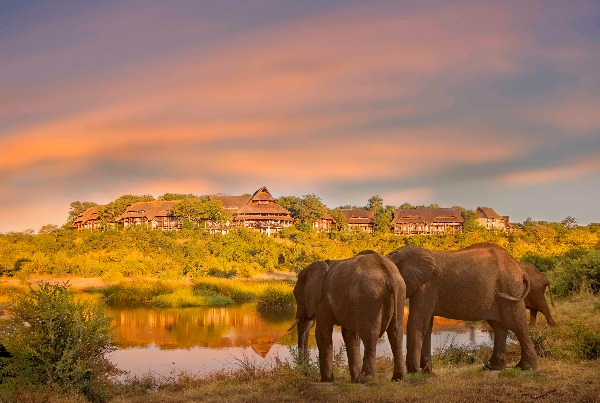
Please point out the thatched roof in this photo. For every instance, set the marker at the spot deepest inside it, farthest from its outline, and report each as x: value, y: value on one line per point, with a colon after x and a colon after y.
x: 427, y: 215
x: 487, y: 212
x: 89, y: 214
x: 149, y: 210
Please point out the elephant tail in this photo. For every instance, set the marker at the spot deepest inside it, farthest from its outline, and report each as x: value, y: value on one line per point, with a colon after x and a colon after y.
x: 525, y: 292
x: 550, y: 295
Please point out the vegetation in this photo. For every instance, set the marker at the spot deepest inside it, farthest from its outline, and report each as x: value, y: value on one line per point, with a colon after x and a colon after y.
x: 56, y: 342
x: 565, y: 374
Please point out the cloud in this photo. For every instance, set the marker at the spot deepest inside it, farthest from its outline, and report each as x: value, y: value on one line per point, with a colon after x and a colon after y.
x: 568, y: 170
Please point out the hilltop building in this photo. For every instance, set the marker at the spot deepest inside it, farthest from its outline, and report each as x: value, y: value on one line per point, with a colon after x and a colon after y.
x: 154, y: 214
x: 87, y: 220
x: 259, y: 211
x: 487, y: 217
x: 360, y: 220
x: 427, y: 220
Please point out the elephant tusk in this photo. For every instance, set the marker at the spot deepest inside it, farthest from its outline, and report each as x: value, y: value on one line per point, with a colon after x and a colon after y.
x: 294, y: 324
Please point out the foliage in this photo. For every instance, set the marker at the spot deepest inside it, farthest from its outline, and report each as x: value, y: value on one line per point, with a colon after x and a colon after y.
x: 572, y: 274
x: 136, y: 292
x: 57, y: 341
x: 587, y: 342
x: 198, y: 211
x: 306, y: 210
x: 278, y: 298
x: 184, y: 297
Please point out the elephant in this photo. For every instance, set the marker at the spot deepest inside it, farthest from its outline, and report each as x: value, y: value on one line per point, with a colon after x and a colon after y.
x: 481, y: 282
x: 364, y: 295
x: 535, y: 300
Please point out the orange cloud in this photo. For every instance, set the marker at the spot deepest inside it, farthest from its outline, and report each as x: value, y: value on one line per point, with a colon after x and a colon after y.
x: 577, y: 113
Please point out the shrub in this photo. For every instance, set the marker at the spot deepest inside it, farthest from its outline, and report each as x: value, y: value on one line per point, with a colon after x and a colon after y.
x: 587, y: 343
x: 454, y: 354
x: 137, y: 292
x: 579, y: 273
x: 278, y: 298
x: 184, y: 297
x: 57, y: 341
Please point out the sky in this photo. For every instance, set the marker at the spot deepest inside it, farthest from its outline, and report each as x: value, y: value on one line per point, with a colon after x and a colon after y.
x: 493, y: 104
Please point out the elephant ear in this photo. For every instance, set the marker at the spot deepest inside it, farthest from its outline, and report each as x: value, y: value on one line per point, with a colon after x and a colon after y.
x: 416, y: 266
x: 313, y: 279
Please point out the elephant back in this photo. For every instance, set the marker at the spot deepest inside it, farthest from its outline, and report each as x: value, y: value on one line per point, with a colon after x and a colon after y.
x: 416, y: 265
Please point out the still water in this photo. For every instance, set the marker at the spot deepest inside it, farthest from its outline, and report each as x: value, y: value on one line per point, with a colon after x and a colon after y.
x: 165, y: 342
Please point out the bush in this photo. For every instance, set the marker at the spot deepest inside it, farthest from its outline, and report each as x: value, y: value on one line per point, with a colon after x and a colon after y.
x: 185, y: 297
x: 57, y: 341
x: 278, y: 298
x: 137, y: 292
x: 575, y: 274
x: 587, y: 343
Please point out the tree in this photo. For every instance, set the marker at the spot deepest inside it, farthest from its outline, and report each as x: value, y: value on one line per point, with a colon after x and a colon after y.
x: 375, y: 204
x: 48, y: 229
x: 311, y: 210
x: 340, y: 219
x: 197, y: 211
x: 569, y: 222
x: 176, y: 196
x: 77, y: 208
x: 306, y: 210
x: 470, y: 224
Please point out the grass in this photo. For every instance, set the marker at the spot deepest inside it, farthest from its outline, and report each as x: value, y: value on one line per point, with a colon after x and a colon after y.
x: 565, y: 373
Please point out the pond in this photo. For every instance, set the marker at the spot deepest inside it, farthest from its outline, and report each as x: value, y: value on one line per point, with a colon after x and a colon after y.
x: 165, y: 342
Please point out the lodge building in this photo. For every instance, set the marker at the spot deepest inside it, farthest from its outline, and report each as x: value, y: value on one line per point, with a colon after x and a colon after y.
x: 261, y: 212
x: 427, y: 220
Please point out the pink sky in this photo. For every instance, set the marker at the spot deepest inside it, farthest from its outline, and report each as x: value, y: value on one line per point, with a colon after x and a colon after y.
x: 466, y: 104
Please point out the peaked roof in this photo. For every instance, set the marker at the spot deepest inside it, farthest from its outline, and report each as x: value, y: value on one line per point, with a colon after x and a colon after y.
x: 248, y: 207
x: 90, y: 213
x: 149, y: 210
x: 487, y: 212
x: 428, y: 215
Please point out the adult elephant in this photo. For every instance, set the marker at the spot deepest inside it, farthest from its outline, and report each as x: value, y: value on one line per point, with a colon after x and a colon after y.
x: 481, y: 282
x: 535, y: 301
x: 365, y: 296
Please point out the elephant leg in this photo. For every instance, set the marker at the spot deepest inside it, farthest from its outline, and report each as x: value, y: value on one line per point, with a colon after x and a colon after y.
x: 369, y: 339
x: 394, y: 333
x: 419, y: 318
x: 519, y: 327
x: 532, y: 316
x: 352, y: 343
x: 545, y: 310
x: 325, y: 345
x: 498, y: 359
x: 426, y: 350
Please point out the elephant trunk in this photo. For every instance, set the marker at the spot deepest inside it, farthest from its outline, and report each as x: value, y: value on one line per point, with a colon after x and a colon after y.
x: 304, y: 326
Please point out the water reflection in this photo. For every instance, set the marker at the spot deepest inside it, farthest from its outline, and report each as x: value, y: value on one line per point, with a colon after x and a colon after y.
x: 207, y: 339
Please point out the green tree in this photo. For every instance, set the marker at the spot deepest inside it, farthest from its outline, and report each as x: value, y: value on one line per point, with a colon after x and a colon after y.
x: 176, y: 196
x: 77, y: 208
x: 306, y: 210
x: 470, y: 224
x: 340, y: 219
x: 197, y: 211
x: 569, y: 222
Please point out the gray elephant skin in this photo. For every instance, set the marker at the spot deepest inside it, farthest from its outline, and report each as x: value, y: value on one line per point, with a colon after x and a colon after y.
x: 364, y: 295
x: 535, y: 300
x: 481, y: 282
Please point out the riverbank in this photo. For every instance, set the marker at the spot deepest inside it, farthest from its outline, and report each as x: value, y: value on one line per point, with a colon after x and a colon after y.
x: 569, y: 364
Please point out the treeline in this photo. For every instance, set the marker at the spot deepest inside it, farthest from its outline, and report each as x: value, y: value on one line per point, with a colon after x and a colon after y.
x: 568, y: 253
